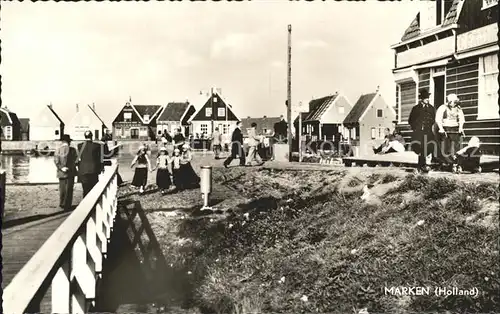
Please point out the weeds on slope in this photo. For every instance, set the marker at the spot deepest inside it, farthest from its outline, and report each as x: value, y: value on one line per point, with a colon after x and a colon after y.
x: 325, y: 251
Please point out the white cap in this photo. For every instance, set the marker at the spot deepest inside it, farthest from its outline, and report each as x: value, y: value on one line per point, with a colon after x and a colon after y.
x: 452, y: 98
x: 474, y: 142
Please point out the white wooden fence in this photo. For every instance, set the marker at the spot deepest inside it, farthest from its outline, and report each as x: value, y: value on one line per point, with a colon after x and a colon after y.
x: 71, y: 260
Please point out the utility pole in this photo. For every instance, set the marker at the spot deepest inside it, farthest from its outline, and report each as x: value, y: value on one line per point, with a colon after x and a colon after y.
x: 289, y: 94
x: 212, y: 106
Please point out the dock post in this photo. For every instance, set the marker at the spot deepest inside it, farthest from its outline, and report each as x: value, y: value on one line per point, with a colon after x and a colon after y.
x: 206, y: 185
x: 2, y: 191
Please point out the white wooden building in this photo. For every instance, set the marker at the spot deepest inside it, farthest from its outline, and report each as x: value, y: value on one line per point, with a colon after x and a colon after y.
x: 46, y: 125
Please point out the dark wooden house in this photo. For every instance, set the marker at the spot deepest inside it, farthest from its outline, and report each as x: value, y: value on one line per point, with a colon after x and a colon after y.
x: 175, y: 115
x: 215, y: 112
x: 325, y: 117
x: 452, y: 47
x: 25, y: 129
x: 10, y: 124
x: 136, y: 122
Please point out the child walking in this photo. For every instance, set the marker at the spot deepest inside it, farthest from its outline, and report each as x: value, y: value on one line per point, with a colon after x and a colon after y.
x: 176, y: 169
x: 142, y: 164
x: 163, y: 180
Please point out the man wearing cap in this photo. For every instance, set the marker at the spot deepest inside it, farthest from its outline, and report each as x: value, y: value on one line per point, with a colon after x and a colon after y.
x: 90, y: 163
x: 65, y: 158
x: 450, y: 121
x: 421, y: 120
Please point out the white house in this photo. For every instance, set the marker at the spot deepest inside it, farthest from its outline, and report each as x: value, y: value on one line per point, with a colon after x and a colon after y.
x: 46, y: 125
x: 84, y: 119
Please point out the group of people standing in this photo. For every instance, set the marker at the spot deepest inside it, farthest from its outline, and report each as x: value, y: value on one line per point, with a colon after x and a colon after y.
x: 254, y: 140
x: 441, y: 129
x: 86, y: 163
x: 172, y: 171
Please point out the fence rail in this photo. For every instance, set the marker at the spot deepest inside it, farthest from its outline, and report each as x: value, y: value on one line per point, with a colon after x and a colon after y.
x: 70, y: 261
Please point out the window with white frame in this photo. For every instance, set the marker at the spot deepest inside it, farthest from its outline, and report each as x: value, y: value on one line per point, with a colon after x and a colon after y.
x: 215, y: 99
x: 374, y: 133
x: 56, y: 132
x: 204, y: 128
x: 127, y: 116
x: 8, y: 132
x: 489, y: 3
x: 146, y: 118
x: 488, y: 87
x: 208, y: 112
x: 353, y: 133
x: 221, y: 112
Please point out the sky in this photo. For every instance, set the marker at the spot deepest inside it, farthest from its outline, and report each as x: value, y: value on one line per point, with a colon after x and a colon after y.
x: 157, y: 52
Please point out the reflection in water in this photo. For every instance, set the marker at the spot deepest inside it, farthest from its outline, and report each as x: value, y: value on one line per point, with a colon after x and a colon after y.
x: 23, y: 169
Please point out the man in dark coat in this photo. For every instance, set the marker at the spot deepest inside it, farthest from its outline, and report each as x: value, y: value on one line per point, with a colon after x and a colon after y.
x: 280, y: 134
x: 65, y: 158
x: 90, y: 164
x: 421, y: 120
x: 236, y: 146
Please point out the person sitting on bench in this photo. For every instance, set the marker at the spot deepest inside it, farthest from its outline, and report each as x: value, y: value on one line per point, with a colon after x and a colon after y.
x: 379, y: 149
x: 468, y: 158
x: 394, y: 145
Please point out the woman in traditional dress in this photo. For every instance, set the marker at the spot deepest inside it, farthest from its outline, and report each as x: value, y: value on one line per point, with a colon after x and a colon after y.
x: 142, y: 164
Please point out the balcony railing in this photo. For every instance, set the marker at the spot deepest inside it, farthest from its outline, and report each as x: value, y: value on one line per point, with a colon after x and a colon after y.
x: 70, y: 262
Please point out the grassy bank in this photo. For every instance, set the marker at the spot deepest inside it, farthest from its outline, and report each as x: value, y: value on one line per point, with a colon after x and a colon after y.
x: 302, y: 241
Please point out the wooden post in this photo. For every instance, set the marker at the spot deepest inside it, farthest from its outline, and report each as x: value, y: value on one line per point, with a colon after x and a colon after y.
x: 299, y: 136
x: 2, y: 191
x: 289, y: 93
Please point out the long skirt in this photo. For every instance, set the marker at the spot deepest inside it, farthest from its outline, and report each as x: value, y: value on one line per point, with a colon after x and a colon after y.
x: 163, y: 179
x: 186, y: 178
x: 140, y: 177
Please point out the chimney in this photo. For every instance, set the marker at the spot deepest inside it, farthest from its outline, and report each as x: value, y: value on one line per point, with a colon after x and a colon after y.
x: 265, y: 117
x: 77, y: 109
x: 378, y: 88
x: 50, y: 105
x: 248, y: 117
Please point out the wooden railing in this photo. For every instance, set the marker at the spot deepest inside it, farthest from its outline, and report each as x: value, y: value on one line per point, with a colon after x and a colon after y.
x: 70, y: 262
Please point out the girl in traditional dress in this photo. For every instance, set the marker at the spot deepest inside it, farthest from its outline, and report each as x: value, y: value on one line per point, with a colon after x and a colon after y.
x: 190, y: 179
x: 142, y: 164
x: 163, y: 180
x: 176, y: 169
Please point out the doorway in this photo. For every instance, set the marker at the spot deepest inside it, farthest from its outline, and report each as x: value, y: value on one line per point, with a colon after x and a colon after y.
x: 134, y: 133
x: 439, y: 91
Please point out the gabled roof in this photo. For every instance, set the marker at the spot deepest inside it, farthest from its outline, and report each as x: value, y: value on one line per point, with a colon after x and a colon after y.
x: 229, y: 108
x: 25, y: 124
x: 150, y: 110
x: 7, y: 114
x: 413, y: 30
x: 55, y: 114
x: 173, y: 111
x: 359, y: 108
x: 451, y: 18
x: 98, y: 117
x: 319, y: 106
